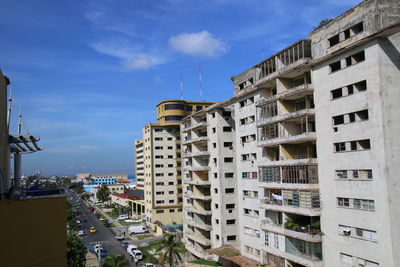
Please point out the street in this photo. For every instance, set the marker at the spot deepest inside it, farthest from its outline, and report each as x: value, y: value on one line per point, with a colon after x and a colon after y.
x: 103, y: 233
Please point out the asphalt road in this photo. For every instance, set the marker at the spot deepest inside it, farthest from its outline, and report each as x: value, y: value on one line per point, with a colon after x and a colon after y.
x: 103, y: 233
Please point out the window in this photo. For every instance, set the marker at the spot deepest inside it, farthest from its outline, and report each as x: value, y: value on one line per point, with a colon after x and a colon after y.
x: 160, y: 201
x: 159, y: 165
x: 343, y: 202
x: 216, y: 206
x: 231, y: 238
x: 367, y: 234
x: 216, y: 190
x: 174, y: 106
x: 229, y: 175
x: 227, y: 129
x: 346, y: 34
x: 228, y: 159
x: 170, y: 147
x: 229, y: 190
x: 230, y: 206
x: 213, y: 130
x: 159, y: 156
x: 158, y: 148
x: 159, y: 211
x: 349, y: 90
x: 198, y: 108
x: 226, y: 113
x: 160, y: 193
x: 228, y: 144
x: 230, y: 221
x: 214, y: 145
x: 213, y: 115
x: 216, y: 221
x: 158, y: 139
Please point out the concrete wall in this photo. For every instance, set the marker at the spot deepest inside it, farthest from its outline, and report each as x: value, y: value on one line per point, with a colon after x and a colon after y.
x: 3, y: 135
x: 381, y: 187
x: 33, y: 232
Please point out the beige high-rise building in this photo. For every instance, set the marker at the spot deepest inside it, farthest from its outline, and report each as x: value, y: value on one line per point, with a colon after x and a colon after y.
x: 162, y: 161
x: 315, y: 151
x: 139, y: 164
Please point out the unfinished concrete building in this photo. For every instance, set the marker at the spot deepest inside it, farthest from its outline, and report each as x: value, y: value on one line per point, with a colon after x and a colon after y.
x: 210, y: 193
x: 315, y: 148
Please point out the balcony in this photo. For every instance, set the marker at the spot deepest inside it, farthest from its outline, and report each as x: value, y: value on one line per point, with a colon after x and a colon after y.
x: 200, y: 197
x: 202, y: 124
x: 291, y: 177
x: 292, y: 131
x: 191, y: 208
x: 285, y: 61
x: 190, y: 221
x: 198, y: 251
x: 305, y: 233
x: 196, y: 168
x: 197, y: 182
x: 288, y: 116
x: 195, y: 140
x: 292, y: 201
x: 196, y: 154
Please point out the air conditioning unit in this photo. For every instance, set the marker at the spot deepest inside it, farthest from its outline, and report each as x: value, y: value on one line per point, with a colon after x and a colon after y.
x: 347, y: 232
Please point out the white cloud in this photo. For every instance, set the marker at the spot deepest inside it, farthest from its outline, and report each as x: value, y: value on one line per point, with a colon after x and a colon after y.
x: 198, y: 44
x: 132, y: 57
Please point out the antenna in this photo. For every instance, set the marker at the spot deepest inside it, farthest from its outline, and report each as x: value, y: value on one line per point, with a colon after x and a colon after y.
x: 9, y: 109
x: 201, y: 84
x: 20, y: 120
x: 181, y: 86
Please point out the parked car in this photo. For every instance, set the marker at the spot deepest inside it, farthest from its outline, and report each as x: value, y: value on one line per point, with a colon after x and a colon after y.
x: 119, y: 237
x: 124, y: 244
x: 148, y: 265
x: 81, y: 233
x: 137, y: 254
x: 130, y: 248
x: 123, y: 217
x: 92, y: 230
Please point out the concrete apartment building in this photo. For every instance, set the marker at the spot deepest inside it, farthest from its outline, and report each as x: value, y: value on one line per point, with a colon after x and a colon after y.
x: 314, y: 149
x: 210, y: 207
x: 162, y: 161
x: 139, y: 164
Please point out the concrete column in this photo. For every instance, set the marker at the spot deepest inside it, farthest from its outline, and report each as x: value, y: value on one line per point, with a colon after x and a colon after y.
x: 17, y: 169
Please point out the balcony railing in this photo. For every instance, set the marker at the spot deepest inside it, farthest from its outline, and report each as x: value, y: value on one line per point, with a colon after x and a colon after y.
x: 285, y: 59
x: 302, y: 174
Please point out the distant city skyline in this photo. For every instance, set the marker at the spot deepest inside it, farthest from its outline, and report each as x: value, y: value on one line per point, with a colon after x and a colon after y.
x: 88, y: 74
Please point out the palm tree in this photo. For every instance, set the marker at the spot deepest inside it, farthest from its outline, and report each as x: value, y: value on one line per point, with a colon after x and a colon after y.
x: 103, y: 194
x: 115, y: 261
x: 170, y: 250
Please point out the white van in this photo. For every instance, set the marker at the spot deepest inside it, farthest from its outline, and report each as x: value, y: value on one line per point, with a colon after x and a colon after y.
x: 137, y: 254
x: 123, y: 217
x: 130, y: 248
x: 137, y: 229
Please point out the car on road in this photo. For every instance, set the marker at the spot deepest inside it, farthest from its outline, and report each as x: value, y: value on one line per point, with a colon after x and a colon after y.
x: 119, y: 237
x: 92, y: 229
x: 124, y: 244
x: 106, y: 223
x: 101, y: 218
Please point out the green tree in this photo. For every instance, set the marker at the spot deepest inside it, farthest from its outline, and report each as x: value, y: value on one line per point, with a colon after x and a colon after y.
x: 170, y: 250
x: 103, y: 194
x: 76, y: 251
x: 115, y: 261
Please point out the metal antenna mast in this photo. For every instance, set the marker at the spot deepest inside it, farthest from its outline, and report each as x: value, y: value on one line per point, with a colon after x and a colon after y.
x: 181, y: 86
x: 201, y: 84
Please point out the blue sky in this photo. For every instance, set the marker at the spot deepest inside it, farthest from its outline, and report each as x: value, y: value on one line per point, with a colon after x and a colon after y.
x: 88, y: 73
